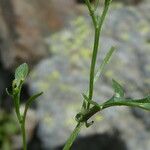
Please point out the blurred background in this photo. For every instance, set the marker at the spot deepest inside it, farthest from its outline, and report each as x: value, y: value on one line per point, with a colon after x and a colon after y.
x: 55, y: 38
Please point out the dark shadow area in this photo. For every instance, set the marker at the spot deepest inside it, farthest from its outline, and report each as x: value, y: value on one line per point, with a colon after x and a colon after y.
x: 105, y: 141
x: 82, y: 1
x: 25, y: 93
x: 6, y: 78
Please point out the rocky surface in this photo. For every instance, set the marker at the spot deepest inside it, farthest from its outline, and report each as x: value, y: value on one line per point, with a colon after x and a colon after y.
x: 23, y: 26
x: 64, y: 77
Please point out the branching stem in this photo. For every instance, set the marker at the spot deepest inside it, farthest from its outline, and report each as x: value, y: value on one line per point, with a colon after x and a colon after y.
x: 97, y: 22
x: 98, y: 28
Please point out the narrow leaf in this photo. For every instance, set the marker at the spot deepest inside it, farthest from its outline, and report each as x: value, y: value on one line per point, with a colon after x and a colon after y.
x: 85, y: 97
x: 104, y: 63
x: 30, y: 101
x: 119, y: 92
x: 21, y: 72
x: 32, y: 98
x: 90, y: 101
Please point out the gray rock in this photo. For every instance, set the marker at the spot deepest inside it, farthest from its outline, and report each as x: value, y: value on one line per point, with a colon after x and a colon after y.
x: 65, y: 76
x: 22, y: 33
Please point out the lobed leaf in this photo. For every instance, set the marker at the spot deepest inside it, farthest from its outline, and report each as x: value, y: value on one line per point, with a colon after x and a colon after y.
x: 143, y: 103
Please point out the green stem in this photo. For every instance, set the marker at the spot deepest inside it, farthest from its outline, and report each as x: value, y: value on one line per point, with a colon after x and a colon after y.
x: 93, y: 63
x: 73, y: 136
x: 103, y: 16
x: 23, y: 132
x: 21, y: 119
x: 16, y: 104
x: 97, y: 22
x: 98, y: 29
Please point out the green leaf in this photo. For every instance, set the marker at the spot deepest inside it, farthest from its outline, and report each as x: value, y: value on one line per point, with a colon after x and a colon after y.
x: 32, y: 98
x: 119, y: 92
x: 85, y: 97
x: 143, y: 103
x: 21, y: 72
x: 104, y: 63
x: 90, y: 101
x: 30, y: 101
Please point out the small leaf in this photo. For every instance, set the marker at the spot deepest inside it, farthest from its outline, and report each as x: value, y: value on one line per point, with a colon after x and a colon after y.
x: 21, y: 72
x: 32, y: 98
x: 91, y: 102
x: 30, y: 101
x: 85, y: 97
x: 104, y: 63
x: 119, y: 92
